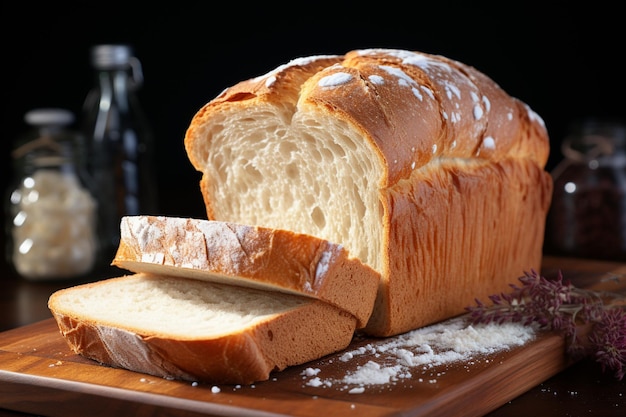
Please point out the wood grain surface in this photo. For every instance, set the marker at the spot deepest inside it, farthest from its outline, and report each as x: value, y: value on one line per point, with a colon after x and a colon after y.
x: 40, y: 375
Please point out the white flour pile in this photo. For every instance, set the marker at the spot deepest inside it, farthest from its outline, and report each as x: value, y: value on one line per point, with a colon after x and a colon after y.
x: 391, y: 360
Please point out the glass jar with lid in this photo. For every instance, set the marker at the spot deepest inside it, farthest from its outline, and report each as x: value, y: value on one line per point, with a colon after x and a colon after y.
x: 587, y: 217
x: 50, y: 207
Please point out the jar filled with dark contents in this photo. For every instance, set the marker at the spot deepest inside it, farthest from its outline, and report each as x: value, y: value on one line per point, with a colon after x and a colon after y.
x: 587, y: 217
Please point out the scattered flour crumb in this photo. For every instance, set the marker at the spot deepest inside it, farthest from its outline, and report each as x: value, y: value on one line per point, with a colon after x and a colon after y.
x: 311, y: 371
x: 398, y: 358
x: 315, y: 382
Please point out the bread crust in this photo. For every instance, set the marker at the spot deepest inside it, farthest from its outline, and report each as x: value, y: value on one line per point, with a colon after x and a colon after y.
x: 271, y: 259
x: 438, y: 108
x: 464, y: 194
x: 307, y: 332
x: 460, y: 246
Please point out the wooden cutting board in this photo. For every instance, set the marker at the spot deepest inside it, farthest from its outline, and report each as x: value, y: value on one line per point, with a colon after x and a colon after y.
x: 40, y: 375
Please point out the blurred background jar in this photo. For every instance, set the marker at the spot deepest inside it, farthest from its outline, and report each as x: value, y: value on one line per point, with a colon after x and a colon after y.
x: 587, y: 217
x: 120, y: 143
x: 50, y: 209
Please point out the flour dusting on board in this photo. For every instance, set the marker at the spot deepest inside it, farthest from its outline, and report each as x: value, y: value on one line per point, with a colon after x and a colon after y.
x: 406, y: 356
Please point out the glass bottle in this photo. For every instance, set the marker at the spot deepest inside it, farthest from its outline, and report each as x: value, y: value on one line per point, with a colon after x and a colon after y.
x: 120, y: 143
x: 51, y: 224
x: 587, y: 217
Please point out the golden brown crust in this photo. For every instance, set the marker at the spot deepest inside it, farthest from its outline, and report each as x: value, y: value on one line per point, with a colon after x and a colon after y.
x: 412, y: 106
x: 279, y: 260
x: 460, y: 245
x: 244, y: 356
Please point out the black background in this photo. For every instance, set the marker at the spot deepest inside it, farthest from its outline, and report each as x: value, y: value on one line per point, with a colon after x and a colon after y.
x: 564, y: 61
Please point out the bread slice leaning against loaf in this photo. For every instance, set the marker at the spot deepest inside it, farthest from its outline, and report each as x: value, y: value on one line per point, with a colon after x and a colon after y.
x: 421, y: 166
x: 199, y: 331
x: 269, y: 259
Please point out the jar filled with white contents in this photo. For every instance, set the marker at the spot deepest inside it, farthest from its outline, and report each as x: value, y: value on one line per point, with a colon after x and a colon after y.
x: 51, y: 211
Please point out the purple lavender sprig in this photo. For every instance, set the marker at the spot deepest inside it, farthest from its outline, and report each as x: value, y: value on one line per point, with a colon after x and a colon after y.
x: 559, y: 306
x: 608, y: 341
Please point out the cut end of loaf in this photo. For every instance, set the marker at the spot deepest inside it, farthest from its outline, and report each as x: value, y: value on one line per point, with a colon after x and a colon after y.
x: 308, y: 158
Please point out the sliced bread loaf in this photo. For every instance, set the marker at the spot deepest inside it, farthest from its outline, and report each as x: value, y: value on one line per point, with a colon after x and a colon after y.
x: 188, y: 329
x: 423, y: 167
x: 270, y: 259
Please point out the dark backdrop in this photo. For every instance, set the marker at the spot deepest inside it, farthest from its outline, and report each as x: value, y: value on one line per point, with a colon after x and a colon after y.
x: 564, y: 61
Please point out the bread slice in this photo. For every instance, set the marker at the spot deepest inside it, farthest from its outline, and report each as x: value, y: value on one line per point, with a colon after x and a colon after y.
x: 421, y: 166
x: 188, y: 329
x: 270, y: 259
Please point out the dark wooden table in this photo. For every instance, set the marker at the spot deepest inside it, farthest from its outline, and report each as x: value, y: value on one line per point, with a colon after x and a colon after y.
x: 580, y: 390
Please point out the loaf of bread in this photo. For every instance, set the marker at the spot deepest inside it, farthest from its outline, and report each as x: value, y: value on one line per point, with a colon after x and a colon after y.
x: 269, y: 259
x: 421, y: 166
x: 195, y: 330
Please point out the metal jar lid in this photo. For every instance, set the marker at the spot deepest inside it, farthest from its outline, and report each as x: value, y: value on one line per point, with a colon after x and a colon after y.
x: 111, y: 56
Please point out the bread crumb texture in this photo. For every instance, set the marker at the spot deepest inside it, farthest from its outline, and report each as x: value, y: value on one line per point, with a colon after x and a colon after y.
x: 179, y: 307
